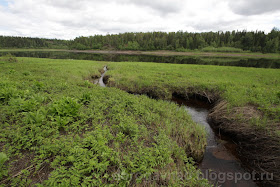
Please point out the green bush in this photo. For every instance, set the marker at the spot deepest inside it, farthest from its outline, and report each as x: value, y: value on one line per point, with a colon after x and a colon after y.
x: 86, y: 98
x: 7, y: 93
x: 66, y: 107
x: 38, y: 86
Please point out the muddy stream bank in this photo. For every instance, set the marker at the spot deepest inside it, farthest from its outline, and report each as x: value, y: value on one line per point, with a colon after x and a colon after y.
x: 220, y: 163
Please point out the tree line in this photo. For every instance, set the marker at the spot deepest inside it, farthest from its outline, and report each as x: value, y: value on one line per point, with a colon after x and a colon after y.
x: 28, y: 42
x: 257, y: 41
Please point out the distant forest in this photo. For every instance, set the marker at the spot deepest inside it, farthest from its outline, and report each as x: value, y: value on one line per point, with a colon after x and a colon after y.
x: 26, y: 42
x: 180, y: 41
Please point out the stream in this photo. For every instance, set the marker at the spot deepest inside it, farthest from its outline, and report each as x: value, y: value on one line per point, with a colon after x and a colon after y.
x: 100, y: 81
x: 220, y: 164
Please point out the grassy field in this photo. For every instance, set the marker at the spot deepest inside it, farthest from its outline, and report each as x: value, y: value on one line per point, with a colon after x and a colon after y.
x: 59, y: 129
x: 239, y: 86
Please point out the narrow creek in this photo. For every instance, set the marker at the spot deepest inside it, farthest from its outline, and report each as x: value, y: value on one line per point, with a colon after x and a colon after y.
x: 100, y: 81
x: 220, y: 164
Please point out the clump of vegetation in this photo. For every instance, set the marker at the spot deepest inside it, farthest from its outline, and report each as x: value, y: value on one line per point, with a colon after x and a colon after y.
x: 3, y: 169
x: 9, y: 58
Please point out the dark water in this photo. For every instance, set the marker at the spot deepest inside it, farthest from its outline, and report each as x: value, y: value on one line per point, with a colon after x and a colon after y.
x: 221, y: 61
x: 220, y: 164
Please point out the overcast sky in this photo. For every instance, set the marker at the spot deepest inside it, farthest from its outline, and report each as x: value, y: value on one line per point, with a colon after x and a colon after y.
x: 67, y: 19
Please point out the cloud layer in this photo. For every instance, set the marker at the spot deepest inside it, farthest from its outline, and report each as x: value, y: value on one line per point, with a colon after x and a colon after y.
x: 67, y: 19
x: 254, y: 7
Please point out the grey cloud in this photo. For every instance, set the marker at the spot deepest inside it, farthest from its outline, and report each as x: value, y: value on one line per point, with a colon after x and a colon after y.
x: 217, y: 25
x: 70, y: 4
x: 111, y: 30
x: 254, y: 7
x: 163, y: 6
x: 71, y: 18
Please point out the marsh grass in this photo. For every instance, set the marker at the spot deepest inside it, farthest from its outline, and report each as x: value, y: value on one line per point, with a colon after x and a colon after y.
x: 246, y: 100
x: 59, y: 129
x: 237, y: 85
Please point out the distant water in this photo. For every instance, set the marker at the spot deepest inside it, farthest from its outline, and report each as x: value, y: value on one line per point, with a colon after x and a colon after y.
x: 220, y: 61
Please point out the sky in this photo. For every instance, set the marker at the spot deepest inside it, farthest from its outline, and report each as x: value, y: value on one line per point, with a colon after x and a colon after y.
x: 68, y: 19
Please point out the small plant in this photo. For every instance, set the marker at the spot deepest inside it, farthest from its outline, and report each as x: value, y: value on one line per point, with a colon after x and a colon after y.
x: 36, y: 117
x: 87, y: 84
x: 12, y: 71
x: 7, y: 93
x: 129, y: 129
x: 3, y: 170
x: 26, y: 73
x: 38, y: 86
x: 85, y: 99
x: 278, y: 95
x: 66, y: 107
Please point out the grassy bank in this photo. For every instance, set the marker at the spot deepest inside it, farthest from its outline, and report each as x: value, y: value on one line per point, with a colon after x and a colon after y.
x: 203, y: 52
x: 247, y: 102
x: 239, y: 86
x: 57, y: 128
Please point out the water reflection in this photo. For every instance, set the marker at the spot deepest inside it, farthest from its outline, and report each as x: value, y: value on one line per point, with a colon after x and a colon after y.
x: 221, y: 61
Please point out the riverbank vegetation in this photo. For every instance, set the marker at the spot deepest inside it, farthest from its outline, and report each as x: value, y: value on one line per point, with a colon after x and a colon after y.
x: 234, y: 41
x: 239, y: 86
x: 247, y: 102
x: 59, y: 129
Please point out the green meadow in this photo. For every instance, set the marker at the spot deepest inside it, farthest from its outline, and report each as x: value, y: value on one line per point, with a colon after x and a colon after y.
x: 245, y: 103
x: 59, y: 129
x: 237, y: 85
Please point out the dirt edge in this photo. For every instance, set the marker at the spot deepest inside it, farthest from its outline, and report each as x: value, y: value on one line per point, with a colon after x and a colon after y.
x: 259, y: 150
